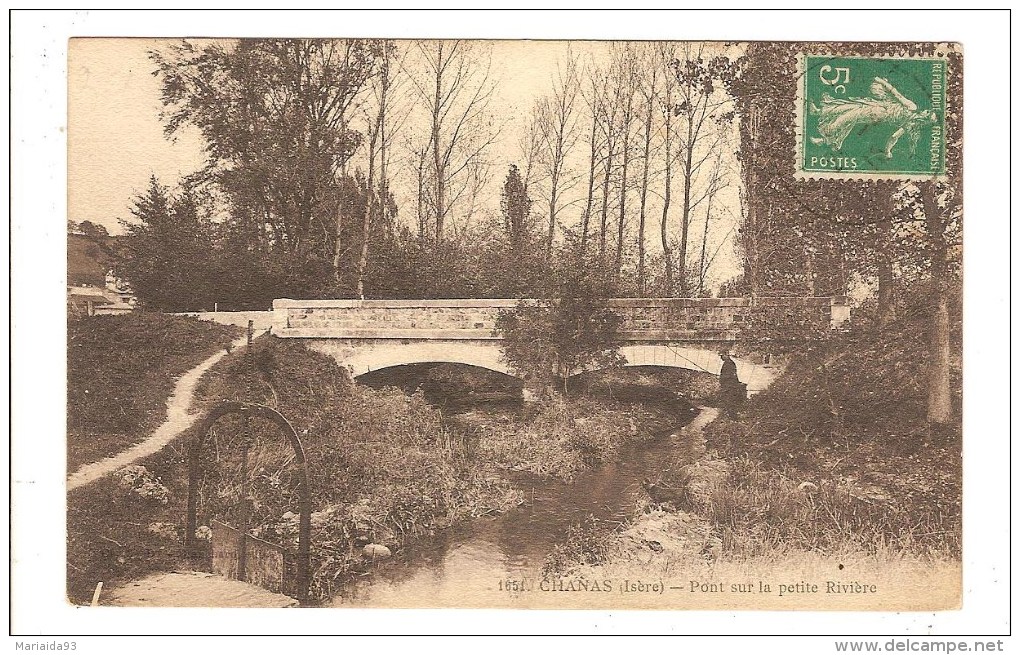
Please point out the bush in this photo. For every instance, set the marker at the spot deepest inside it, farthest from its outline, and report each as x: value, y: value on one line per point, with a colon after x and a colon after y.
x: 851, y: 418
x: 549, y: 339
x: 109, y: 535
x: 562, y: 438
x: 588, y: 543
x: 759, y: 511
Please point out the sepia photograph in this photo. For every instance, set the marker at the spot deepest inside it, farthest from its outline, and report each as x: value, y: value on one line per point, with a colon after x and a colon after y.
x: 340, y: 325
x: 517, y: 324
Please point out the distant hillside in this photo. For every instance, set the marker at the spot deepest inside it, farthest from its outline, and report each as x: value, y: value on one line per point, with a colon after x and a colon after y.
x: 90, y: 257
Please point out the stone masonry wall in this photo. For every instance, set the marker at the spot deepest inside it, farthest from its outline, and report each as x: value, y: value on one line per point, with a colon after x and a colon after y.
x: 645, y: 319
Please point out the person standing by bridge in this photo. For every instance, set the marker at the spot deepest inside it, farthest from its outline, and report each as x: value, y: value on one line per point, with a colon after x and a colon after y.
x: 731, y: 389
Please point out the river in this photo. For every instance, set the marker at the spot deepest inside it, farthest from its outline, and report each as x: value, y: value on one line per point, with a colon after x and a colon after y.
x: 476, y: 556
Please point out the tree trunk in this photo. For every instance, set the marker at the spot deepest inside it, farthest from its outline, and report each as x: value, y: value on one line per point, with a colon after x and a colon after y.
x: 621, y: 225
x: 337, y: 252
x: 667, y: 252
x: 436, y: 154
x: 749, y: 229
x: 586, y: 217
x: 685, y: 226
x: 552, y: 217
x: 886, y: 312
x: 644, y: 198
x: 702, y: 268
x: 384, y: 183
x: 422, y: 221
x: 336, y: 242
x: 604, y: 227
x: 940, y: 404
x: 366, y: 228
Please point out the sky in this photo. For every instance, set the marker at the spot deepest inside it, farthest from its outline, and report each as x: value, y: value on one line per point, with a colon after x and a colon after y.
x: 116, y: 140
x: 115, y: 137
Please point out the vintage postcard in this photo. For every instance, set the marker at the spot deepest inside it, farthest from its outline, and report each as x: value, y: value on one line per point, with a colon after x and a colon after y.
x: 514, y: 324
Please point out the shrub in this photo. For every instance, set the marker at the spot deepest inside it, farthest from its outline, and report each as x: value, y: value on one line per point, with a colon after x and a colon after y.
x: 562, y: 438
x: 548, y: 339
x: 587, y: 543
x: 760, y: 510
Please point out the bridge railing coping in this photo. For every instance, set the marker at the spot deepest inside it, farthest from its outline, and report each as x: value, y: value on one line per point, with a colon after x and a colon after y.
x: 475, y: 303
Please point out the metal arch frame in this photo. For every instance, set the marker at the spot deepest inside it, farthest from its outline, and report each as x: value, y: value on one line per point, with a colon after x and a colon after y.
x: 305, y: 504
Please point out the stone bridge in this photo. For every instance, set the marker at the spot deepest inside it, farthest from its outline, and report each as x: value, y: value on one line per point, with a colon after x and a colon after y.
x: 368, y: 335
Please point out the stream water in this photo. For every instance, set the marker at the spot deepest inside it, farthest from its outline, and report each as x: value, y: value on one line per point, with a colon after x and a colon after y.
x: 477, y: 556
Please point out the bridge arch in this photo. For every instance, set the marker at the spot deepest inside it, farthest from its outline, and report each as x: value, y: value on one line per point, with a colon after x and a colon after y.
x: 373, y: 356
x: 365, y: 356
x: 756, y: 376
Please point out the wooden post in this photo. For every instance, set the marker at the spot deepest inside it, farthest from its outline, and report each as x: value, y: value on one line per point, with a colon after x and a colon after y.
x: 242, y: 545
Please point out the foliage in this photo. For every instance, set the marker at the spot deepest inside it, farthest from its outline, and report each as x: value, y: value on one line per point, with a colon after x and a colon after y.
x: 274, y: 115
x: 516, y: 207
x: 810, y: 235
x: 177, y: 258
x: 382, y: 465
x: 108, y: 535
x: 853, y: 415
x: 562, y: 438
x: 120, y: 371
x: 587, y: 543
x: 760, y: 510
x: 166, y: 261
x: 88, y: 229
x: 547, y: 339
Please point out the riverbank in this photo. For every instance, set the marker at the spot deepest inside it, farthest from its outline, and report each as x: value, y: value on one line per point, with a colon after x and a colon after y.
x: 830, y: 476
x: 738, y: 535
x: 386, y: 468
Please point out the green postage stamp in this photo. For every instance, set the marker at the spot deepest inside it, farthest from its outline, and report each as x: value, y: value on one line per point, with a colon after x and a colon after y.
x: 868, y: 117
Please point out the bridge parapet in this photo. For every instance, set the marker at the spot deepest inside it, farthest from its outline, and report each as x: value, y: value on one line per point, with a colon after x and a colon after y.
x: 644, y: 319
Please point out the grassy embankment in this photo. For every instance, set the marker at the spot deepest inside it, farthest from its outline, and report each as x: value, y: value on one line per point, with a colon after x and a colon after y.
x: 384, y: 468
x: 831, y: 473
x: 120, y: 371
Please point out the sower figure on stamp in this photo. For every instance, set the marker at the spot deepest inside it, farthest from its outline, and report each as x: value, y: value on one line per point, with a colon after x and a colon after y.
x: 838, y: 117
x: 731, y: 390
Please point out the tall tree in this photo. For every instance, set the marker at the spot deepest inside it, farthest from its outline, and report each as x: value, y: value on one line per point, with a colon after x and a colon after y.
x: 275, y: 116
x: 666, y: 56
x: 516, y: 207
x: 168, y: 248
x: 715, y: 184
x: 593, y: 101
x: 374, y: 130
x: 700, y: 111
x: 649, y: 90
x: 558, y: 132
x: 378, y: 202
x: 627, y: 74
x: 455, y: 91
x: 609, y: 111
x: 885, y: 230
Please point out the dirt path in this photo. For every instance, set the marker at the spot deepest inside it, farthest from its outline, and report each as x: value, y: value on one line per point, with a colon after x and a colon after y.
x: 178, y: 419
x: 192, y: 589
x: 704, y: 417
